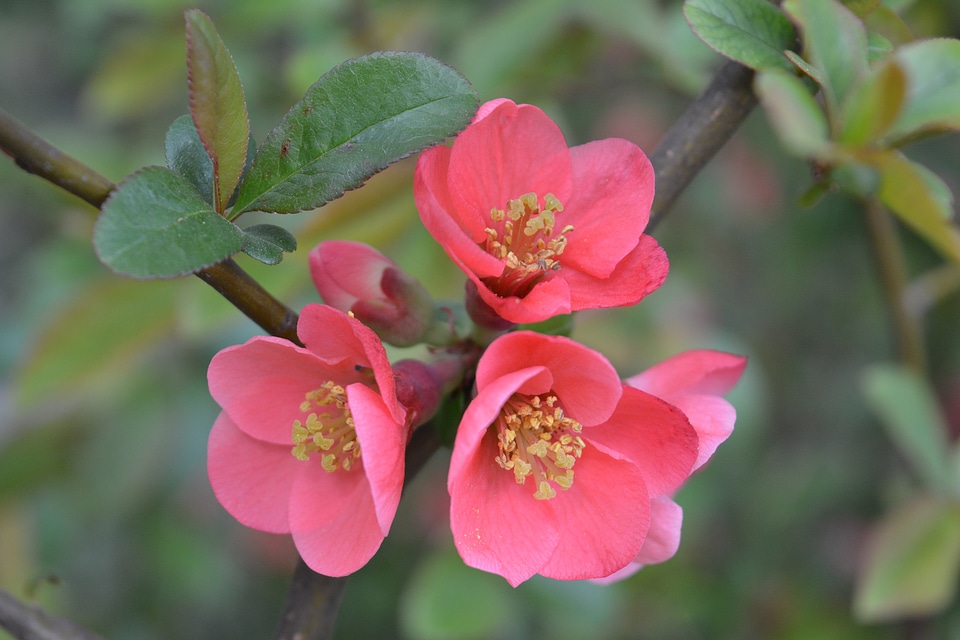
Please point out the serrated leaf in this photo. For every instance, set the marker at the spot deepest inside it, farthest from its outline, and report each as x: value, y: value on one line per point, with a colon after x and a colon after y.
x: 353, y: 122
x: 909, y: 411
x: 795, y: 115
x: 156, y: 225
x: 909, y: 191
x: 835, y: 42
x: 268, y: 242
x: 873, y: 105
x: 216, y: 103
x: 911, y: 567
x: 94, y: 336
x: 752, y: 32
x: 933, y: 86
x: 187, y: 156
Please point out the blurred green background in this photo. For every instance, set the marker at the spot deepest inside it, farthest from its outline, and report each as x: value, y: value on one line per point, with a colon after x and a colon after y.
x: 106, y: 515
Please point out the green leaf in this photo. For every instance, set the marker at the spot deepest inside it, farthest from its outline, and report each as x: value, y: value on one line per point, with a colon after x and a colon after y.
x: 216, y: 103
x: 917, y: 198
x: 353, y: 122
x: 873, y: 105
x: 752, y: 32
x: 156, y: 225
x: 795, y: 115
x: 911, y: 566
x: 835, y: 42
x: 187, y: 156
x: 268, y: 242
x: 933, y: 86
x: 908, y: 409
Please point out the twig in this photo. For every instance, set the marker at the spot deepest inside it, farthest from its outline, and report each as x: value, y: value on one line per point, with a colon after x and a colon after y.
x: 700, y: 132
x: 892, y: 268
x: 35, y: 155
x: 29, y: 622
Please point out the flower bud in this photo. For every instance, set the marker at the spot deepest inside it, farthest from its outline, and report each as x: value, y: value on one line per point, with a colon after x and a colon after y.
x: 355, y: 277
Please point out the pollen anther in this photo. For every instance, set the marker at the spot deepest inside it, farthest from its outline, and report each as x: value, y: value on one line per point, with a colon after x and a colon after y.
x: 522, y: 236
x: 328, y: 429
x: 536, y: 439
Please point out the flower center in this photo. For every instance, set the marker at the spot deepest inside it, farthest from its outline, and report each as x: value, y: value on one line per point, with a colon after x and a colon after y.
x: 523, y: 237
x: 328, y: 429
x: 536, y: 439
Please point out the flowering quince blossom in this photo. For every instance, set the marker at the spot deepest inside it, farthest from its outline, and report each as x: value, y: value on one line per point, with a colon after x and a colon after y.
x: 555, y: 462
x: 694, y: 382
x: 355, y: 277
x: 310, y: 440
x: 541, y: 229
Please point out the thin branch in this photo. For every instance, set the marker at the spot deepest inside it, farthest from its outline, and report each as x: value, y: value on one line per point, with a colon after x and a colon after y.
x: 29, y: 622
x: 37, y: 156
x: 699, y: 134
x: 892, y: 267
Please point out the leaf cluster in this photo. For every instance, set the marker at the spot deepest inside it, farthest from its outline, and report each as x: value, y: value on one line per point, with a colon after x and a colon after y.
x: 357, y: 119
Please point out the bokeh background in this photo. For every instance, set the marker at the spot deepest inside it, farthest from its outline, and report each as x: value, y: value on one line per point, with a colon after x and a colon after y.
x: 106, y: 515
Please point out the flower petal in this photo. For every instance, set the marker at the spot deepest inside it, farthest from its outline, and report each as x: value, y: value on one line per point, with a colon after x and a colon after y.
x: 640, y: 273
x: 613, y: 188
x: 251, y: 478
x: 497, y: 524
x: 382, y: 441
x: 663, y: 538
x: 603, y: 518
x: 661, y: 543
x: 512, y: 150
x: 712, y: 418
x: 482, y: 412
x: 548, y: 298
x: 334, y: 521
x: 653, y: 434
x: 698, y: 371
x: 262, y: 383
x: 335, y: 336
x: 345, y: 272
x: 583, y: 379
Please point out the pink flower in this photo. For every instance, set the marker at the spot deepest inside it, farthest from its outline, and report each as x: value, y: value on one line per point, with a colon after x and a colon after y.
x: 539, y: 228
x: 355, y: 277
x: 310, y: 440
x: 555, y: 462
x: 693, y: 382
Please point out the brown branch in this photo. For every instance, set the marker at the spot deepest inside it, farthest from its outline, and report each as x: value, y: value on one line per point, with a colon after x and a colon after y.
x: 699, y: 134
x: 29, y: 622
x: 892, y: 269
x: 37, y: 156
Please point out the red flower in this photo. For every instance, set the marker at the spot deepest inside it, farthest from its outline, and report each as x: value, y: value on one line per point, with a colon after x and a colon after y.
x: 310, y: 440
x: 541, y: 229
x: 692, y: 381
x: 555, y: 462
x: 355, y: 277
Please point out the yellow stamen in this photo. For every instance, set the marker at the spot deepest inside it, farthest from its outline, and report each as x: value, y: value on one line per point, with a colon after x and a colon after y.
x: 537, y: 440
x: 522, y: 236
x: 328, y: 429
